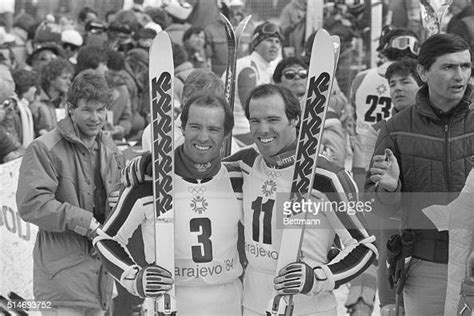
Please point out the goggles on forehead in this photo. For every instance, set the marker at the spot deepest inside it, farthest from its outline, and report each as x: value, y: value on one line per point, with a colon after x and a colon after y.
x: 291, y: 74
x: 404, y: 42
x: 268, y: 29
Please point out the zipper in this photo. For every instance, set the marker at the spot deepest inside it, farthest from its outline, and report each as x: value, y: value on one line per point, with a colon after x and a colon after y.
x: 447, y: 158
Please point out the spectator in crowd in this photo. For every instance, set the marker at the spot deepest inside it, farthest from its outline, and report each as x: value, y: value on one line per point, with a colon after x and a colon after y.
x: 136, y: 65
x: 179, y: 13
x: 293, y: 25
x: 25, y: 88
x: 253, y: 70
x: 95, y: 57
x: 370, y: 93
x: 121, y: 31
x: 462, y: 22
x: 292, y: 73
x: 42, y: 55
x: 118, y: 75
x: 86, y: 15
x: 55, y: 80
x: 21, y: 26
x: 403, y: 162
x: 11, y: 121
x: 182, y: 68
x: 194, y: 41
x: 71, y: 41
x: 65, y: 178
x: 406, y: 14
x: 95, y: 33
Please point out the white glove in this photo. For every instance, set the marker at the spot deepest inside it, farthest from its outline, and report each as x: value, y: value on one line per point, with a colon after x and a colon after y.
x: 149, y: 281
x: 300, y: 278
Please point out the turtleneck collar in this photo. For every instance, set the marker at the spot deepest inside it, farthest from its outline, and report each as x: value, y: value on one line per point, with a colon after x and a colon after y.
x: 190, y: 170
x: 285, y: 158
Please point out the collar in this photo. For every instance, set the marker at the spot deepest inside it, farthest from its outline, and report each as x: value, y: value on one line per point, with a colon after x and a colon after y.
x: 190, y: 170
x: 424, y: 106
x: 285, y: 158
x: 259, y: 60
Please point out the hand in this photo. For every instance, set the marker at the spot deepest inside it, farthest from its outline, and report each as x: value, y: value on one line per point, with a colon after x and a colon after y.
x: 298, y: 277
x: 153, y: 281
x: 135, y: 171
x: 385, y: 171
x: 113, y: 198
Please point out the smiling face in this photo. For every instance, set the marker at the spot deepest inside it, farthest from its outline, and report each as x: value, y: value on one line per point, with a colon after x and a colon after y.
x: 270, y: 128
x: 403, y: 91
x: 447, y: 78
x: 204, y: 133
x: 88, y: 118
x: 269, y: 48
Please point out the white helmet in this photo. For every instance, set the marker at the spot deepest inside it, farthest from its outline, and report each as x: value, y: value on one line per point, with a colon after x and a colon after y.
x: 179, y: 9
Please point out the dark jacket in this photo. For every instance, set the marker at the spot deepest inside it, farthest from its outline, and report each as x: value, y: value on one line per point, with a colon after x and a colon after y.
x: 459, y: 24
x: 55, y: 192
x: 435, y: 157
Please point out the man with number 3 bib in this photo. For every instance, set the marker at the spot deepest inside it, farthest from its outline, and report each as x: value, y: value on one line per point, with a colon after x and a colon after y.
x: 207, y: 212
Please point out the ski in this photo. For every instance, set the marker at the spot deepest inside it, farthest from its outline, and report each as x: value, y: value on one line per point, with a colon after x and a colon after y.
x: 161, y: 74
x: 233, y: 39
x: 432, y: 15
x: 375, y: 30
x: 314, y: 17
x: 318, y: 90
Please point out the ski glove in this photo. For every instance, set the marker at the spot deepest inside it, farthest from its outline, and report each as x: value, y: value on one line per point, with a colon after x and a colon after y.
x: 149, y: 281
x: 298, y: 277
x: 136, y: 169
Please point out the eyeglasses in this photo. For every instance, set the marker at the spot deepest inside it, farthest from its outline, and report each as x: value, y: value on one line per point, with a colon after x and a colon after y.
x: 291, y: 74
x: 7, y: 103
x: 404, y: 42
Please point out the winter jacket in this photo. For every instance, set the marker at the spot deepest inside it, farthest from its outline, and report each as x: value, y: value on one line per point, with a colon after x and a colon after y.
x: 55, y: 192
x: 121, y: 106
x: 435, y: 157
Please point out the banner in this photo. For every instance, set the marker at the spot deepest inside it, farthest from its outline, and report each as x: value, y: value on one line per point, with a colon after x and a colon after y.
x: 17, y: 238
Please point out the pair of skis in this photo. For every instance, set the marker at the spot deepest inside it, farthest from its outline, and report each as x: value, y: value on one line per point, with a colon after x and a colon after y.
x: 324, y: 58
x: 161, y: 76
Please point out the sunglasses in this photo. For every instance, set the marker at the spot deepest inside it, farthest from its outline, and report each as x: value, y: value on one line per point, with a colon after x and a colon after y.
x: 291, y: 74
x: 404, y: 42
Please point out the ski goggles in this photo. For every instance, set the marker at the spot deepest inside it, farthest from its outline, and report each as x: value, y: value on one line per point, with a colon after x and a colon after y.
x: 267, y: 29
x: 404, y: 42
x: 292, y: 74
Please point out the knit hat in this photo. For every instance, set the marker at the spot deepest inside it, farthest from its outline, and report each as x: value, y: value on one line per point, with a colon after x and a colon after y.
x: 263, y: 31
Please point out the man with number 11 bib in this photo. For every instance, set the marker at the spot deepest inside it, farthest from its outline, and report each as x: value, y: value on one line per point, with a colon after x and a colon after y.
x: 274, y: 114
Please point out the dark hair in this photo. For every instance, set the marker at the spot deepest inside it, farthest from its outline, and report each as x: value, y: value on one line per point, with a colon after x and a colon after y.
x: 52, y: 70
x: 89, y: 57
x: 209, y: 100
x: 91, y: 86
x: 115, y: 60
x: 191, y: 31
x: 393, y: 53
x: 24, y: 80
x: 440, y: 44
x: 179, y: 54
x: 83, y: 13
x: 292, y: 105
x: 285, y: 62
x: 108, y: 14
x: 202, y: 80
x: 404, y: 67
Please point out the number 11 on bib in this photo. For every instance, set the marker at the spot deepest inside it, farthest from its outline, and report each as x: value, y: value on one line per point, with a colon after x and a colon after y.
x: 318, y: 90
x: 161, y: 74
